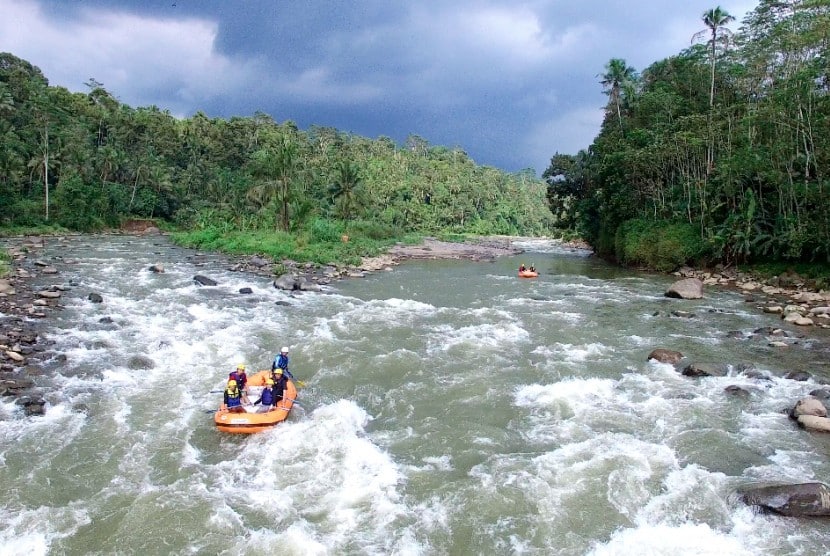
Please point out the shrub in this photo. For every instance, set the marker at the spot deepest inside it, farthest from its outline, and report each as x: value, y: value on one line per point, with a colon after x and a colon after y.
x: 658, y: 245
x: 321, y: 231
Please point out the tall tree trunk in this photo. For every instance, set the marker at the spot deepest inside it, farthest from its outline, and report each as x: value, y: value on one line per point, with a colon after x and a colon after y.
x: 46, y: 167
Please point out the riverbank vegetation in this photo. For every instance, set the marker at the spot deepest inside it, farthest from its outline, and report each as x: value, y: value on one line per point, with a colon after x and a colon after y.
x: 5, y: 263
x: 717, y: 154
x: 86, y: 161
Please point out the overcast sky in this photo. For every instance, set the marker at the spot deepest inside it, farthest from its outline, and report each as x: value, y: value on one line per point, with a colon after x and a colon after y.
x: 509, y: 81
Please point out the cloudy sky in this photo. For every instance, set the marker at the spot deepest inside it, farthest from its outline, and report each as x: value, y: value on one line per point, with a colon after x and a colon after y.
x: 509, y: 81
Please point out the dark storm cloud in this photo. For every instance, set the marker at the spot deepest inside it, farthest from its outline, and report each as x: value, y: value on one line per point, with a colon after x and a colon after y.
x: 509, y: 82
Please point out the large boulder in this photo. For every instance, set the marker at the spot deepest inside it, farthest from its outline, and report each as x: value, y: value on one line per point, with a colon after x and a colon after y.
x: 798, y: 500
x: 204, y: 280
x: 814, y: 423
x: 688, y: 288
x: 665, y: 356
x: 287, y: 282
x: 258, y: 262
x: 808, y: 406
x: 308, y: 286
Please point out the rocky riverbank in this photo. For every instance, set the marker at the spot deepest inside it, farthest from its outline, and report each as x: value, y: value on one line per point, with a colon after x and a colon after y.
x: 789, y: 295
x: 22, y: 311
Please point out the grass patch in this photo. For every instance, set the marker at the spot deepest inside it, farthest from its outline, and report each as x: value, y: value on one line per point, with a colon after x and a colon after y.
x: 51, y: 230
x: 5, y: 263
x: 452, y: 237
x: 319, y: 245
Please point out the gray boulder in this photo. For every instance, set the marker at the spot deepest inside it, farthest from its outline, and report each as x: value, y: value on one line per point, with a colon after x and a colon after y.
x: 688, y: 288
x: 204, y: 280
x: 798, y: 500
x: 287, y: 282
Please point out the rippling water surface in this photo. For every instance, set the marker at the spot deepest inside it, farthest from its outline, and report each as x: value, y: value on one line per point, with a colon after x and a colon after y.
x: 451, y: 408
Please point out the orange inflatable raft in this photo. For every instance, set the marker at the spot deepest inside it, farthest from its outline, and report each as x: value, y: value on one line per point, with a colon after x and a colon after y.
x: 528, y: 274
x: 255, y: 418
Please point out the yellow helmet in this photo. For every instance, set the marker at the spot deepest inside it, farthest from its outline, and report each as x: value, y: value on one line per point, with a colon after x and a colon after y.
x: 269, y: 382
x: 277, y: 371
x: 231, y: 384
x: 240, y: 367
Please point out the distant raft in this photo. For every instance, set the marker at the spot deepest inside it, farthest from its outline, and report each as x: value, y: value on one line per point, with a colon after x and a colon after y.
x: 252, y: 420
x: 528, y: 274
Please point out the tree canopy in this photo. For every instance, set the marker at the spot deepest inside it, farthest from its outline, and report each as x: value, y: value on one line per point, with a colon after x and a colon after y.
x: 719, y: 152
x: 87, y: 161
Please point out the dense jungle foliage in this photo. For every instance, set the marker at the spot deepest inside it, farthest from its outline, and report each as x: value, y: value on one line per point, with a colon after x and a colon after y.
x: 719, y: 153
x: 86, y: 161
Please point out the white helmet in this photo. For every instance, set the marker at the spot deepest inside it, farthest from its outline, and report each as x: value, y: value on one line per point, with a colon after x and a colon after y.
x: 284, y: 350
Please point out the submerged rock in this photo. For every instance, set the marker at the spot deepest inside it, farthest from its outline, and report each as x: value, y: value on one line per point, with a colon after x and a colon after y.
x: 703, y: 369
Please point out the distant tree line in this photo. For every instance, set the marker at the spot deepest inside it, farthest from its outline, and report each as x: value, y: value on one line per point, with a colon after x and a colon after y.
x: 87, y: 161
x: 719, y: 153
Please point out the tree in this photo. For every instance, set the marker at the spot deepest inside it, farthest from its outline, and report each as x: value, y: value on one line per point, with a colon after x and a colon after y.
x: 616, y: 77
x: 277, y: 168
x: 715, y: 20
x: 347, y: 181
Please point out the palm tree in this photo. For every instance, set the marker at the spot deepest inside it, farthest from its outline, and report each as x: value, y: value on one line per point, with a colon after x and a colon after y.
x: 344, y: 188
x: 277, y: 169
x: 715, y: 20
x: 617, y: 75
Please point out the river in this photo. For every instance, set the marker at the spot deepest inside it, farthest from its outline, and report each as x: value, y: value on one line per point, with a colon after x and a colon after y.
x: 450, y: 408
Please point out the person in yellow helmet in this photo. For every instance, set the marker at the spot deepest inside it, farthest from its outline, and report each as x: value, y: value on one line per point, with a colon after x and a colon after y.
x: 234, y: 398
x: 522, y: 267
x: 267, y: 398
x: 280, y: 380
x: 240, y: 377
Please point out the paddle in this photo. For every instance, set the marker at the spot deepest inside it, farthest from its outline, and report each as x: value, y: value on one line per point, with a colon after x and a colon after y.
x: 298, y: 404
x: 297, y: 383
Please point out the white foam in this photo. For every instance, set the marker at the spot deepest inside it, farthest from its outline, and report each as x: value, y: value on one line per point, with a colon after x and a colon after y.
x: 665, y: 540
x: 482, y: 336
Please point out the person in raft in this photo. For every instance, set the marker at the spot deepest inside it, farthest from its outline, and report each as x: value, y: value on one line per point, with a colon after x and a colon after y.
x: 532, y: 268
x: 280, y: 380
x: 267, y: 399
x: 234, y: 398
x: 240, y: 377
x: 522, y: 267
x: 281, y: 362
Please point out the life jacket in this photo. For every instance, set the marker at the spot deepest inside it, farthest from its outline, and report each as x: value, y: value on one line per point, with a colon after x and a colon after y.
x: 281, y: 362
x: 240, y: 377
x: 279, y: 384
x: 234, y: 397
x: 267, y: 396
